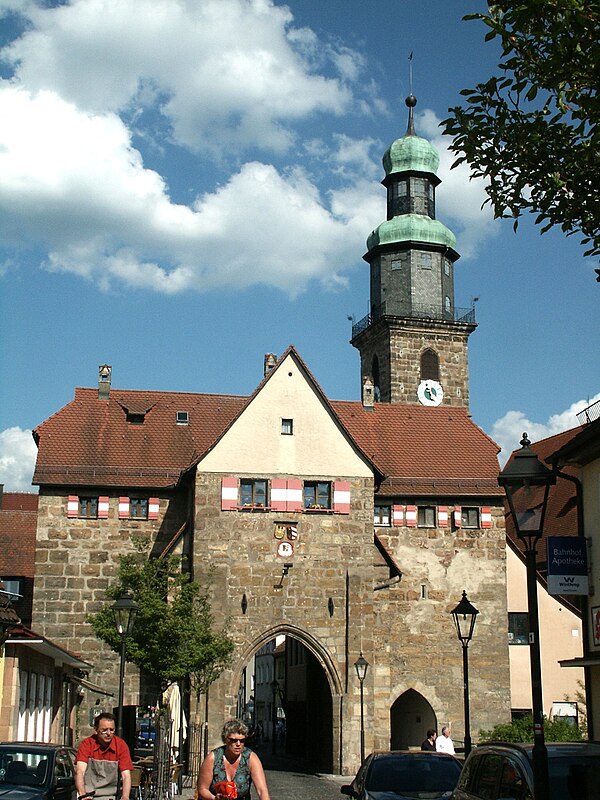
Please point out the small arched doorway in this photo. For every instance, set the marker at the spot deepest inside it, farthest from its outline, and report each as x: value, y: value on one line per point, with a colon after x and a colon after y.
x: 410, y: 716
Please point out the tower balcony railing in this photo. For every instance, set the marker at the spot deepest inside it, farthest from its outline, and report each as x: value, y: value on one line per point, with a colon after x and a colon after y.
x: 589, y: 414
x: 416, y: 311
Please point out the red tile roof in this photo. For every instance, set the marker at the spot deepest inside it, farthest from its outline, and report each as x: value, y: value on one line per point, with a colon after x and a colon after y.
x: 90, y: 443
x: 18, y: 525
x: 420, y: 451
x: 424, y: 451
x: 19, y: 501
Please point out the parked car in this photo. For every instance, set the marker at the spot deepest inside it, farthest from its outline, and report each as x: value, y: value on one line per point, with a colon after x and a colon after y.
x: 400, y: 775
x: 30, y: 771
x: 504, y: 770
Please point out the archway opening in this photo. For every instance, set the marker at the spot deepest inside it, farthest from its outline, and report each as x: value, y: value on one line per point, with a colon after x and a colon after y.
x: 285, y: 698
x: 410, y: 717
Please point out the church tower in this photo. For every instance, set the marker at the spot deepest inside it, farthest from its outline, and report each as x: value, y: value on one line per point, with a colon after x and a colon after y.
x: 413, y: 344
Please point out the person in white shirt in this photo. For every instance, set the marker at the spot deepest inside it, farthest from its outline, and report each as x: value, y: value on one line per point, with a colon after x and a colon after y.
x: 443, y: 743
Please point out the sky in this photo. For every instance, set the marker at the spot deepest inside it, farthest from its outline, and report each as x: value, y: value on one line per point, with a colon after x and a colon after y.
x: 186, y: 185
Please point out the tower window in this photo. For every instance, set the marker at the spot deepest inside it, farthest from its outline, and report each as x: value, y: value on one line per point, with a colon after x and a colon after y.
x: 426, y: 260
x: 253, y: 492
x: 430, y: 366
x: 287, y: 427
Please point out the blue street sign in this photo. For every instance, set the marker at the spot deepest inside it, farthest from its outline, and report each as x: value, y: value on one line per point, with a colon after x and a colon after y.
x: 567, y: 565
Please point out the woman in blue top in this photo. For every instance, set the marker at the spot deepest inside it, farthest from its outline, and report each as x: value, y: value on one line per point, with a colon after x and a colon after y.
x: 232, y: 762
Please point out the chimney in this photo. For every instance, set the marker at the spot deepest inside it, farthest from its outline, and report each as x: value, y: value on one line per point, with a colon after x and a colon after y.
x: 104, y: 373
x: 368, y: 394
x: 270, y: 363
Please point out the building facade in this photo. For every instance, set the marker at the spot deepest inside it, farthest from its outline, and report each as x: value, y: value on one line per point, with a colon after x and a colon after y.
x: 347, y: 527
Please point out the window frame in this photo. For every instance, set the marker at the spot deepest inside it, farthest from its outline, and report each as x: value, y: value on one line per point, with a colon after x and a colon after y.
x: 523, y: 618
x: 87, y: 507
x: 379, y: 517
x: 470, y: 509
x: 313, y: 492
x: 250, y: 499
x: 422, y: 512
x: 287, y: 426
x: 140, y: 504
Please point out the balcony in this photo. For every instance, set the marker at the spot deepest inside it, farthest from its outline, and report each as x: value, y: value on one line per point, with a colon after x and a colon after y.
x: 417, y: 311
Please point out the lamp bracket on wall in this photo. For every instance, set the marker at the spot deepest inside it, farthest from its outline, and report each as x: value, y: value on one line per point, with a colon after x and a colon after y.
x: 286, y: 568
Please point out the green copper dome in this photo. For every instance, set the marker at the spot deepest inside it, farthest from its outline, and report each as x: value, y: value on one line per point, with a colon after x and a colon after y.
x: 411, y: 152
x: 411, y: 228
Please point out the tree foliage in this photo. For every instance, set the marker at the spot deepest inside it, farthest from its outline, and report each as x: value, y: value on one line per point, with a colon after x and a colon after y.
x: 521, y: 730
x: 532, y: 131
x: 173, y: 636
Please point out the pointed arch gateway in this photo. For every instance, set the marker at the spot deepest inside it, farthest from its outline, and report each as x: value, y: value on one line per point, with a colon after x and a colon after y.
x: 410, y: 716
x: 313, y: 702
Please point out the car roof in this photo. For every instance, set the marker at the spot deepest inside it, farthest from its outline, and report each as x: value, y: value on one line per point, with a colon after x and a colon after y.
x: 36, y: 745
x: 553, y: 747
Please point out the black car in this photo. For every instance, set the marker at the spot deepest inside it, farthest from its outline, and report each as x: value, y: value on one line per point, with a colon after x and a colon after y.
x: 31, y: 771
x: 405, y: 775
x: 504, y: 770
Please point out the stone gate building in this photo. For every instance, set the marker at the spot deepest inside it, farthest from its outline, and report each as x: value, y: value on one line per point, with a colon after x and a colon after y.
x: 348, y: 527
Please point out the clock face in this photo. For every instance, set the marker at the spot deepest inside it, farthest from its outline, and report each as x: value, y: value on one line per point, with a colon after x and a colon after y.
x: 430, y: 393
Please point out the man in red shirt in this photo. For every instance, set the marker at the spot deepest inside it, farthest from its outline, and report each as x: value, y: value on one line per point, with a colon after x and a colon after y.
x: 99, y: 759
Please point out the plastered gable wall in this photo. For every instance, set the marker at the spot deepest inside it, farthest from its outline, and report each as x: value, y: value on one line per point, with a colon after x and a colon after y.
x: 254, y: 442
x: 333, y: 557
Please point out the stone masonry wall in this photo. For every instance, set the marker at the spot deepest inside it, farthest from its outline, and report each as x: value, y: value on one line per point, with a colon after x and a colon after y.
x: 333, y: 559
x: 76, y: 561
x: 414, y: 625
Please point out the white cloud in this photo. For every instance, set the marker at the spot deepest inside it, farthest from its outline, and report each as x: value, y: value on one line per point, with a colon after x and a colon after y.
x: 227, y: 74
x: 509, y: 429
x: 73, y: 182
x: 17, y: 459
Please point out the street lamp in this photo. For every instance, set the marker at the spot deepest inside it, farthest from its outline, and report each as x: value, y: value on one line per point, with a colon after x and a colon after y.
x: 527, y: 483
x: 124, y: 609
x: 361, y: 666
x: 465, y: 616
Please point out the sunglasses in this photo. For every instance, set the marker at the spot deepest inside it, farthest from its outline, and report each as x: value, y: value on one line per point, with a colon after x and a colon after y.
x: 235, y: 741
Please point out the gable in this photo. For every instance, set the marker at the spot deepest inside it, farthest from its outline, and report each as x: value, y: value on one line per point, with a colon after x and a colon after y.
x: 255, y: 444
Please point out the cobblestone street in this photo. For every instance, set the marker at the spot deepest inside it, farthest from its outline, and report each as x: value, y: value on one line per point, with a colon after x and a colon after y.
x: 292, y: 785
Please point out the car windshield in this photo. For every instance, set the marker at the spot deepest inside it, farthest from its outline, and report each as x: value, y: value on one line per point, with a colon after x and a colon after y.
x: 413, y: 775
x: 23, y: 767
x: 574, y: 777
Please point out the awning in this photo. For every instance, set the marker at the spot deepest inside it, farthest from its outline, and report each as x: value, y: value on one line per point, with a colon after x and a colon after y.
x: 581, y: 662
x: 89, y: 685
x: 60, y: 656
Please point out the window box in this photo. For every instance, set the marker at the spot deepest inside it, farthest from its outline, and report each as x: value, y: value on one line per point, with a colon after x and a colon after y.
x: 254, y: 507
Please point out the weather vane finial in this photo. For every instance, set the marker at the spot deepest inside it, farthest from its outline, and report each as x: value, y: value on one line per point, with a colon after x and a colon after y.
x: 411, y: 100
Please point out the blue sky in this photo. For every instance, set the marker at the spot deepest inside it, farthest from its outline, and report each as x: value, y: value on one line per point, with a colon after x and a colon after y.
x: 187, y: 185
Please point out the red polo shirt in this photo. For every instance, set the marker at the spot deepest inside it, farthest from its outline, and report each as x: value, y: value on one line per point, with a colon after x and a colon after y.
x: 117, y: 750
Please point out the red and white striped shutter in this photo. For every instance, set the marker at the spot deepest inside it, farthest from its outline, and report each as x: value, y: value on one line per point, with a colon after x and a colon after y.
x: 486, y: 517
x: 72, y: 506
x: 294, y: 495
x: 443, y: 516
x: 411, y: 516
x: 229, y: 494
x: 457, y: 517
x: 279, y: 494
x: 103, y: 508
x: 153, y: 507
x: 341, y: 497
x: 123, y: 508
x: 397, y: 516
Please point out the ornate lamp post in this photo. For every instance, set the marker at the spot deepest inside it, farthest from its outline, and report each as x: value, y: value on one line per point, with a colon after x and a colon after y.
x: 527, y: 483
x: 124, y: 609
x: 361, y: 666
x: 465, y: 616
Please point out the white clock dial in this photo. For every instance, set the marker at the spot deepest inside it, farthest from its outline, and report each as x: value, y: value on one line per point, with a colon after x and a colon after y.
x: 430, y: 393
